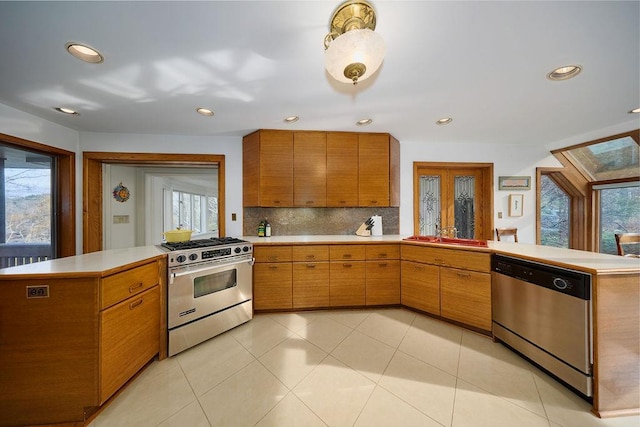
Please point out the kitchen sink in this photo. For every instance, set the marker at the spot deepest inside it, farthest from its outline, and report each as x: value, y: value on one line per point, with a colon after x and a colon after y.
x: 448, y: 241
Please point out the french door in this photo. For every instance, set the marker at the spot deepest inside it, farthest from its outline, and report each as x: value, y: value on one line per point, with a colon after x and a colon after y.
x: 456, y: 195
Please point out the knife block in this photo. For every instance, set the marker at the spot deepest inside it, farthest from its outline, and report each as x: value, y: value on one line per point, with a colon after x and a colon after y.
x: 362, y: 231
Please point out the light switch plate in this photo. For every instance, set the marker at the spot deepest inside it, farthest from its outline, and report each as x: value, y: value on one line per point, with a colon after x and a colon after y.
x: 121, y: 219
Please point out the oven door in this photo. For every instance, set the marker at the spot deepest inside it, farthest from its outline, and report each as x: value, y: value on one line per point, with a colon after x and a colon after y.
x: 204, y: 289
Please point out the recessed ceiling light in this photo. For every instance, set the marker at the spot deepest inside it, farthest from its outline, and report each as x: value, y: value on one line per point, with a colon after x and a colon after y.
x: 67, y: 111
x: 364, y: 122
x: 564, y: 73
x: 635, y: 111
x: 205, y: 111
x: 85, y: 53
x: 444, y: 121
x: 291, y: 119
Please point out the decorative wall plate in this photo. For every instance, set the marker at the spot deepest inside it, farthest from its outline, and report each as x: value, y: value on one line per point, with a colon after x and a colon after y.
x: 121, y: 193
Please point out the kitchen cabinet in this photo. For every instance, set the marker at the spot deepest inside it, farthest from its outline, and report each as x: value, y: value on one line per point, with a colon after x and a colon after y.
x: 319, y: 169
x: 272, y: 278
x: 78, y: 339
x: 378, y: 170
x: 310, y: 276
x: 347, y: 275
x: 452, y: 283
x: 342, y: 169
x: 382, y: 274
x: 309, y: 169
x: 267, y: 168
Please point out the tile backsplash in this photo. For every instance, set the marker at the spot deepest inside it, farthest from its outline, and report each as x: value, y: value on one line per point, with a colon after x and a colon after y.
x: 318, y: 221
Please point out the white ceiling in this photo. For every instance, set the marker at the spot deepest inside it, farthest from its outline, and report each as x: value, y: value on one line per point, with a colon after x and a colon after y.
x: 484, y: 63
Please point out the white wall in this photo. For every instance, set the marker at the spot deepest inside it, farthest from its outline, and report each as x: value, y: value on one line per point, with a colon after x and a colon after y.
x: 122, y: 235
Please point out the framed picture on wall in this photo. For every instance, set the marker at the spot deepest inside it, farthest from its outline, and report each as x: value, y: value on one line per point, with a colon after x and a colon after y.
x: 515, y: 204
x: 514, y: 183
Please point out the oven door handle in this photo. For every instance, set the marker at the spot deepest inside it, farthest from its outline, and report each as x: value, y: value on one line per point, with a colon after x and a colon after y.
x: 188, y: 270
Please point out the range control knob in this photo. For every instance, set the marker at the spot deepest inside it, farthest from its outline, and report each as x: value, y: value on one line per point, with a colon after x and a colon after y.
x: 181, y: 258
x: 237, y: 249
x: 246, y: 248
x: 193, y: 257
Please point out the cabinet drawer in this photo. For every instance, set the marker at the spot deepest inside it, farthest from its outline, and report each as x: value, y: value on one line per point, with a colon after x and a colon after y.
x: 272, y: 253
x: 347, y: 252
x: 129, y: 338
x: 310, y: 253
x: 120, y: 286
x: 382, y: 251
x: 469, y: 260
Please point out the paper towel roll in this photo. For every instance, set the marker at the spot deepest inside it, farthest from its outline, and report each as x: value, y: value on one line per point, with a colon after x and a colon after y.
x: 376, y: 230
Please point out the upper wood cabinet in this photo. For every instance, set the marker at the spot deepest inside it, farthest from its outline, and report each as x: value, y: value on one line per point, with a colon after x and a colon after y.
x: 267, y: 168
x: 378, y: 170
x: 342, y: 169
x: 320, y: 169
x: 309, y: 169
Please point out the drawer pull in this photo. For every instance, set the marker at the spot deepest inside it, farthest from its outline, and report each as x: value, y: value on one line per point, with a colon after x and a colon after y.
x: 464, y: 275
x: 382, y: 264
x: 273, y: 267
x: 311, y: 257
x: 347, y: 265
x: 346, y: 256
x: 135, y: 287
x: 309, y: 202
x: 273, y: 257
x: 135, y: 303
x: 439, y: 260
x: 382, y: 255
x: 311, y: 266
x: 419, y: 267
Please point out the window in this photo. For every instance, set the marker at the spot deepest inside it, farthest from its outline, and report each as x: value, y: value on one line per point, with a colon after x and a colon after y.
x: 619, y: 213
x: 196, y: 212
x: 555, y: 207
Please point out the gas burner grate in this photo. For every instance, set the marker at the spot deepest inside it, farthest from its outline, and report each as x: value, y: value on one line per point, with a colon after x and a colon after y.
x: 201, y: 243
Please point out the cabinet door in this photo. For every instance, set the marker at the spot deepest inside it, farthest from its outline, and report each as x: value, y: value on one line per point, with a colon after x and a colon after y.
x: 373, y: 169
x: 310, y: 169
x: 276, y: 168
x: 120, y: 286
x: 129, y: 338
x: 466, y: 297
x: 421, y: 286
x: 383, y: 282
x: 342, y: 169
x: 310, y: 284
x: 347, y: 283
x: 272, y: 286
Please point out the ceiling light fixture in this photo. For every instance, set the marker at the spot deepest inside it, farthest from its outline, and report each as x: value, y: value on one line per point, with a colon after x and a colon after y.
x: 67, y: 111
x: 291, y: 119
x: 205, y: 111
x: 364, y: 122
x: 353, y: 51
x: 635, y: 111
x: 84, y: 53
x: 444, y: 121
x: 564, y: 73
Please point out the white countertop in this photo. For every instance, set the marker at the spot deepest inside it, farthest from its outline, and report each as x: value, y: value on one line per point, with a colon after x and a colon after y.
x: 329, y: 238
x: 86, y: 264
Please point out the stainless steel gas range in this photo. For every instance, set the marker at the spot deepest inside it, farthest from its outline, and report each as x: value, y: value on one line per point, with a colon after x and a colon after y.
x: 209, y: 289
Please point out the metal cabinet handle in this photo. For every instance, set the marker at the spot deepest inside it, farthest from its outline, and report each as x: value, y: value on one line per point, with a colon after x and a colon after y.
x: 463, y: 275
x: 347, y: 265
x: 311, y: 266
x: 135, y: 303
x: 273, y: 267
x: 419, y: 267
x: 346, y: 255
x: 135, y: 287
x: 382, y: 264
x: 311, y: 257
x: 382, y: 255
x: 273, y: 257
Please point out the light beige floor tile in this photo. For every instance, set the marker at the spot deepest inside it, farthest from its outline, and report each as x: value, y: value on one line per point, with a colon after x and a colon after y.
x: 565, y: 408
x: 244, y: 398
x: 493, y: 367
x: 294, y: 321
x: 260, y: 334
x: 335, y: 392
x: 325, y: 333
x: 434, y: 342
x: 388, y: 326
x: 364, y: 354
x: 479, y: 408
x: 292, y: 360
x: 350, y: 318
x: 384, y: 409
x: 149, y: 400
x: 291, y: 412
x: 428, y: 389
x: 204, y: 371
x: 192, y: 416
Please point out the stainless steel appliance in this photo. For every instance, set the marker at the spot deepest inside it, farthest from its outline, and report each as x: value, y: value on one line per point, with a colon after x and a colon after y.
x: 545, y: 313
x: 209, y: 289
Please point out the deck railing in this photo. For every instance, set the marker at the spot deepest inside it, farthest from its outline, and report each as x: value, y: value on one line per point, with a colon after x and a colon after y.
x: 23, y: 253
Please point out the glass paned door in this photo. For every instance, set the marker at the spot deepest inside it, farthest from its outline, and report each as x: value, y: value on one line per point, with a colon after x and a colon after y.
x: 464, y: 205
x: 430, y: 194
x: 555, y: 209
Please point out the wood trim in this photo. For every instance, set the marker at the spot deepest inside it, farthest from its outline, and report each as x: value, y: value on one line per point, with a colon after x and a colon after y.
x: 634, y: 134
x: 92, y: 185
x: 65, y: 221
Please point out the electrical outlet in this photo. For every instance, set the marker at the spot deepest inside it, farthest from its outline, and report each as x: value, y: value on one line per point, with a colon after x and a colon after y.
x: 233, y: 216
x: 41, y: 291
x: 499, y: 215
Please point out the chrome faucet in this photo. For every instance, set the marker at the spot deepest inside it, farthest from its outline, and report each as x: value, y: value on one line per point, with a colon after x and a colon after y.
x: 447, y: 232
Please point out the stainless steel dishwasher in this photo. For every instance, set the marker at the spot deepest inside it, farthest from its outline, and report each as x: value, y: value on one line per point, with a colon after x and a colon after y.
x: 544, y: 313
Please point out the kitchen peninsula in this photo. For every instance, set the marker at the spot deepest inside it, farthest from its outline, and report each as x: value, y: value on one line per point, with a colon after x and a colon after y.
x: 66, y: 351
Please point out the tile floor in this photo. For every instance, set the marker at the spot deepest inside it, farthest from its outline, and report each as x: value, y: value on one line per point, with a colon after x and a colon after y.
x: 369, y: 368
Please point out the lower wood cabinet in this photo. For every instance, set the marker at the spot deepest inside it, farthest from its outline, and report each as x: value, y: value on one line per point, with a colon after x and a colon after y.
x: 421, y: 286
x: 347, y: 283
x: 272, y: 278
x: 466, y: 297
x: 382, y: 274
x: 310, y: 276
